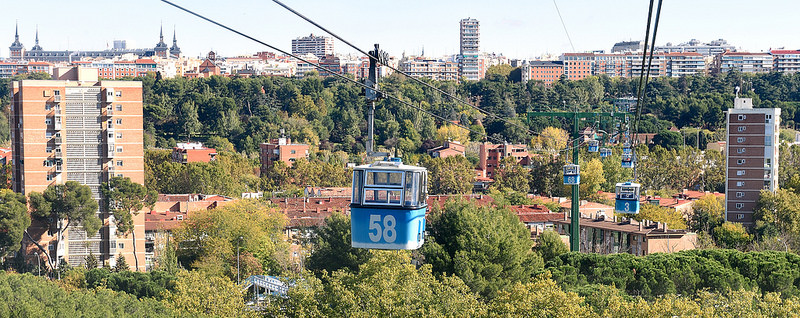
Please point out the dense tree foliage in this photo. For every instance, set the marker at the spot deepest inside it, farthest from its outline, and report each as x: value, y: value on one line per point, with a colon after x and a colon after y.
x: 683, y: 273
x: 152, y: 284
x: 451, y: 175
x: 486, y: 247
x: 331, y: 247
x: 14, y: 221
x: 209, y: 239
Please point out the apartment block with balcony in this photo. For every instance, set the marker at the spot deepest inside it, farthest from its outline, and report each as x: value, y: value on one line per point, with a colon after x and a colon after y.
x: 490, y: 156
x: 320, y: 46
x: 752, y: 161
x: 786, y: 61
x: 435, y: 69
x: 744, y: 62
x: 682, y: 64
x: 80, y: 130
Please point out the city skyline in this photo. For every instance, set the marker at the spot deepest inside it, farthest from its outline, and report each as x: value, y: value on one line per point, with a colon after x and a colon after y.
x: 518, y: 30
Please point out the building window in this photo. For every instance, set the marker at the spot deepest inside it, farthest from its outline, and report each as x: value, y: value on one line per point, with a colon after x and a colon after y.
x: 119, y: 149
x: 119, y: 121
x: 48, y: 121
x: 48, y: 149
x: 742, y: 117
x: 739, y: 194
x: 179, y: 217
x: 48, y: 107
x: 740, y: 216
x: 50, y: 177
x: 742, y: 128
x: 740, y: 139
x: 739, y: 172
x: 293, y: 151
x: 48, y: 135
x: 119, y: 107
x: 48, y: 163
x: 121, y: 245
x: 740, y: 161
x: 118, y: 93
x: 119, y: 163
x: 740, y: 150
x: 119, y: 175
x: 739, y: 183
x: 739, y: 205
x: 56, y: 93
x: 119, y: 135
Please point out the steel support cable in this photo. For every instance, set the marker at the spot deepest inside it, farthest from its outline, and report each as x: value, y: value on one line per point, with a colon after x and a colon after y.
x: 644, y: 78
x: 330, y: 71
x: 309, y: 20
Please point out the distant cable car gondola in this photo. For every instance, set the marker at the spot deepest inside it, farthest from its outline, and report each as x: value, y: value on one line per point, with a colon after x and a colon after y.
x: 605, y: 152
x: 572, y: 174
x: 627, y: 156
x: 593, y: 145
x: 388, y: 206
x: 627, y: 198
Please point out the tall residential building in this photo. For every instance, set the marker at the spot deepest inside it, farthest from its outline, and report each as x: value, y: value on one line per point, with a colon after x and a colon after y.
x: 752, y: 161
x: 490, y: 156
x: 320, y: 46
x: 84, y: 130
x: 469, y: 56
x: 787, y: 61
x: 744, y: 62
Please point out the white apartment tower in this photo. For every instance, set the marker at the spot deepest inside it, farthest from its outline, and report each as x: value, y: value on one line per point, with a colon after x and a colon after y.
x: 317, y: 45
x: 752, y: 161
x: 469, y: 60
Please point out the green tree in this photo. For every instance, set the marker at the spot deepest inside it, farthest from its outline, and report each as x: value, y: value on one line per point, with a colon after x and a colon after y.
x: 510, y: 175
x: 708, y: 213
x: 126, y: 199
x: 61, y: 205
x: 388, y: 285
x: 668, y: 139
x: 778, y: 213
x: 331, y: 247
x: 541, y: 297
x: 90, y: 261
x: 488, y: 248
x: 451, y: 175
x: 197, y: 293
x: 208, y: 240
x: 592, y: 179
x: 122, y: 264
x: 732, y: 235
x: 549, y: 245
x: 14, y: 221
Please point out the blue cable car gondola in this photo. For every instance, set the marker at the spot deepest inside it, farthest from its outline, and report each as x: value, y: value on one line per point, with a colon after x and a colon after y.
x: 572, y: 174
x: 605, y: 152
x: 627, y: 199
x: 594, y: 145
x: 388, y: 206
x: 627, y: 160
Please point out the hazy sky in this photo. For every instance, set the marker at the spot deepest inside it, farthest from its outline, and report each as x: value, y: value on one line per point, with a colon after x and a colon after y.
x: 518, y: 29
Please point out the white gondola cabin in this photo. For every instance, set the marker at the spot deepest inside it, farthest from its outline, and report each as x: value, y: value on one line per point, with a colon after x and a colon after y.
x: 572, y: 174
x: 388, y: 206
x: 594, y: 145
x: 627, y: 198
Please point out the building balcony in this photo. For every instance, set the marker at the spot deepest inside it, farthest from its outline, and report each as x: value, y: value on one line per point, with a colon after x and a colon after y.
x: 59, y: 168
x: 57, y: 98
x: 57, y: 153
x: 57, y: 139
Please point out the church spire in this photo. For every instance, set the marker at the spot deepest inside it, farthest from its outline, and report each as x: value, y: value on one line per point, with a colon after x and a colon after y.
x: 16, y: 32
x: 16, y: 47
x: 36, y: 45
x: 174, y: 51
x: 161, y: 33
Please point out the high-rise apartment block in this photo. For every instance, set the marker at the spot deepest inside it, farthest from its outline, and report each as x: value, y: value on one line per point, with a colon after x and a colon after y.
x: 752, y: 161
x: 320, y: 46
x: 469, y: 57
x: 78, y: 129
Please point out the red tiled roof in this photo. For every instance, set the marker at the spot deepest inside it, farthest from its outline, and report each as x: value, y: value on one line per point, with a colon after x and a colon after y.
x: 785, y: 52
x: 145, y: 61
x: 527, y: 209
x: 540, y: 217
